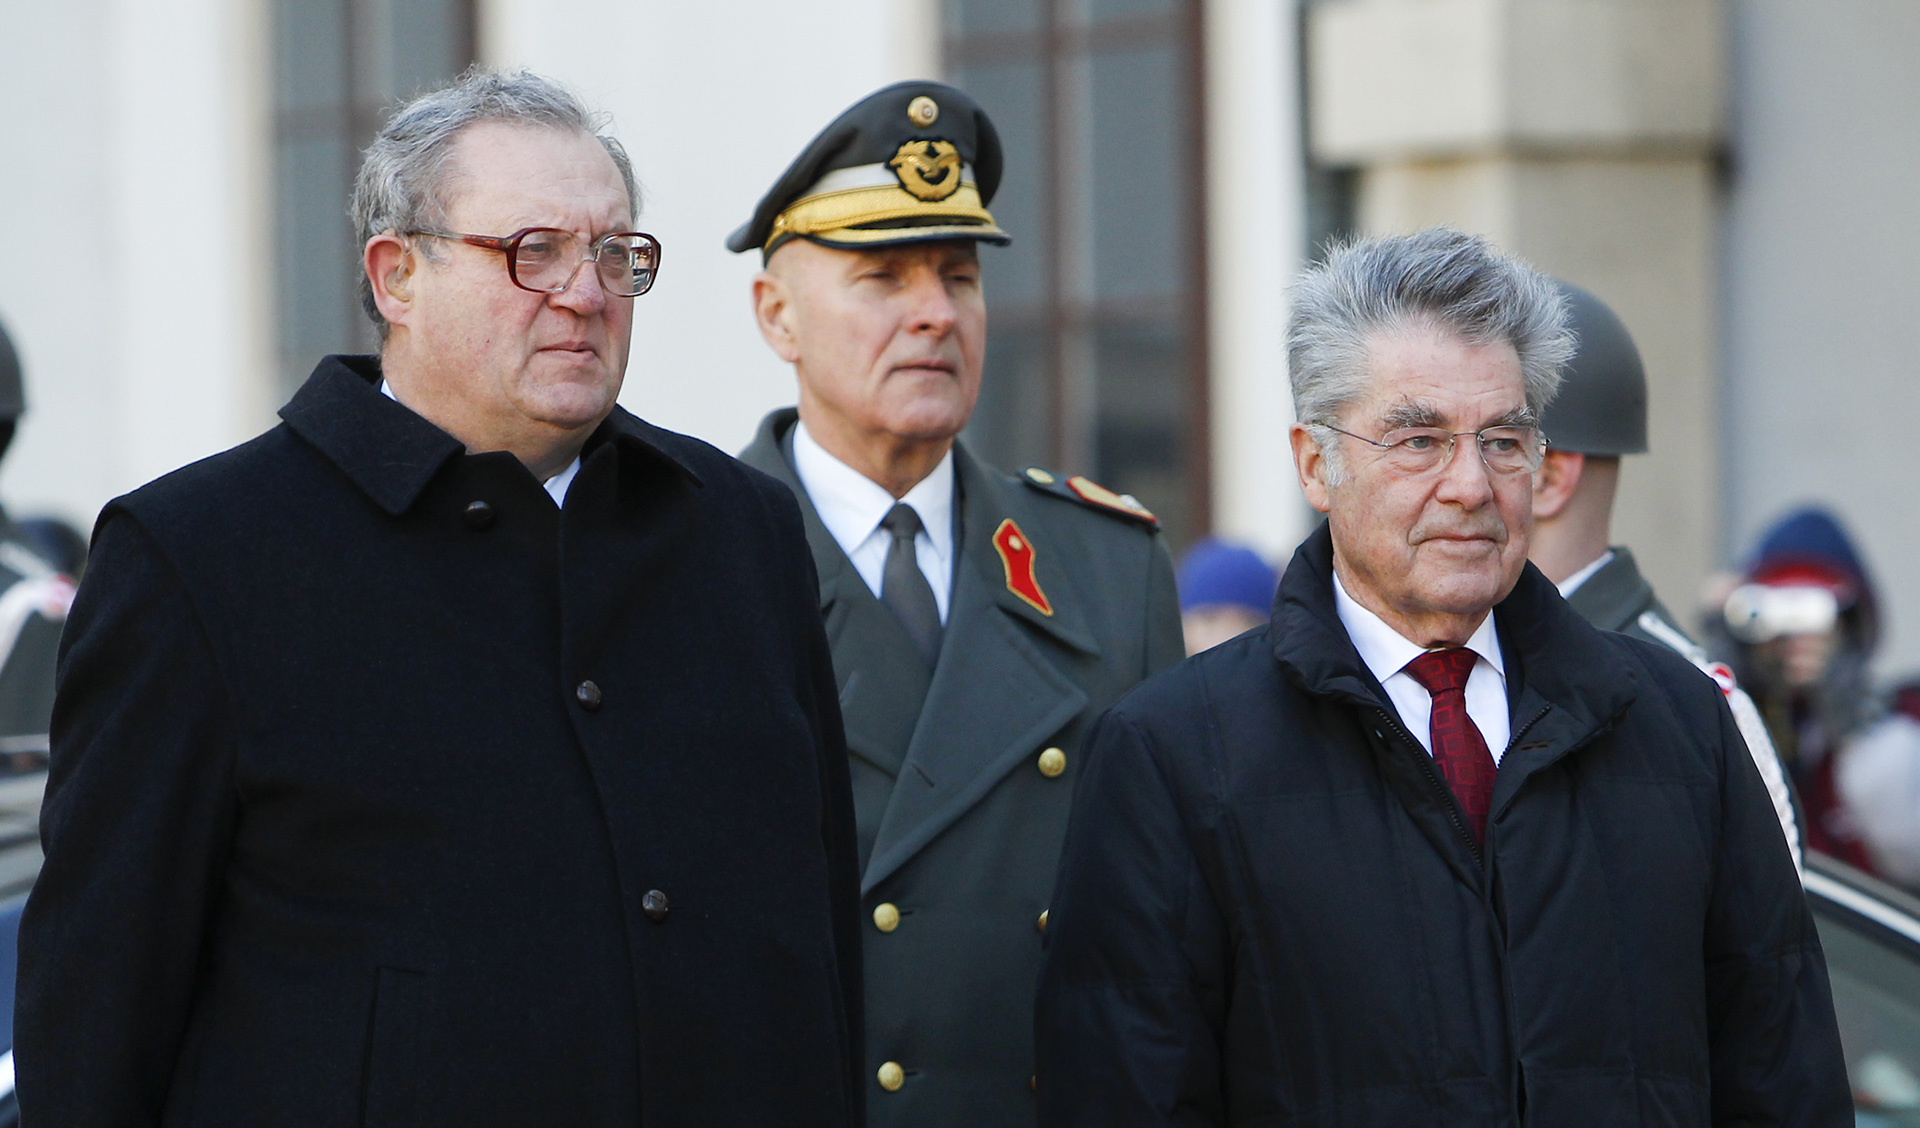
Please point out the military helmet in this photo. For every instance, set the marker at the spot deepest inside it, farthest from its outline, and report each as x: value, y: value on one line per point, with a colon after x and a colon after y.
x: 1602, y: 405
x: 13, y: 392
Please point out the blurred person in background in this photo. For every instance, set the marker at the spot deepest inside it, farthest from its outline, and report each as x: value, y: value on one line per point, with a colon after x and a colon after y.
x: 1878, y: 778
x: 1225, y: 590
x: 979, y: 621
x: 1599, y: 415
x: 34, y: 597
x: 1799, y: 630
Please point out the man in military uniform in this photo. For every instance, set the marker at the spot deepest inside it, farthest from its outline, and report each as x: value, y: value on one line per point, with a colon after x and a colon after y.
x: 1600, y: 415
x: 978, y: 622
x: 33, y: 603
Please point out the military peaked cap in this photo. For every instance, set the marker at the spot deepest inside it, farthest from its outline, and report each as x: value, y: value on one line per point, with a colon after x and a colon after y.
x: 914, y: 162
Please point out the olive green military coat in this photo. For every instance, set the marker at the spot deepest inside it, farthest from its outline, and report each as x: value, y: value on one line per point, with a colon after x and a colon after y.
x: 962, y: 779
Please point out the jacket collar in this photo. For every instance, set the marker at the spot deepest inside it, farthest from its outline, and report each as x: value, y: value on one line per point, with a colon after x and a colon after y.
x: 1556, y: 661
x: 1613, y: 597
x: 767, y: 453
x: 986, y: 499
x: 391, y: 452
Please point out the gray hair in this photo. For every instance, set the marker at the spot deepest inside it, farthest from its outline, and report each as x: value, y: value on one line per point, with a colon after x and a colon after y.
x: 1438, y: 278
x: 405, y: 172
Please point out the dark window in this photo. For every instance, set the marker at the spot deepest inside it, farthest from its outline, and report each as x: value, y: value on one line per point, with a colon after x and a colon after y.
x: 1333, y: 191
x: 339, y: 67
x: 1096, y: 359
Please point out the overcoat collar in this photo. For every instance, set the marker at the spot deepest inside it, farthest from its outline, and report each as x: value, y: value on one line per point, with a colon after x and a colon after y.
x: 1566, y: 683
x: 998, y: 648
x: 391, y: 452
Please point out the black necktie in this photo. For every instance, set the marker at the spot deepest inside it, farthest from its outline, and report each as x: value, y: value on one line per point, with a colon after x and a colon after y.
x: 904, y: 588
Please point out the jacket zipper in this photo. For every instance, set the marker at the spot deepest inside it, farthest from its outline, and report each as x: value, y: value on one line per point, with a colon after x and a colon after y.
x: 1452, y: 807
x: 1434, y: 783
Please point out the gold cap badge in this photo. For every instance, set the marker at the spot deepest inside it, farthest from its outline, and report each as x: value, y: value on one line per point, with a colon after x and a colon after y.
x: 923, y: 111
x: 928, y: 169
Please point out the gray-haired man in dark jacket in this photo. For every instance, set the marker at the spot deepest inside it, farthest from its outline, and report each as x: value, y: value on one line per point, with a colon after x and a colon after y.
x: 1431, y: 849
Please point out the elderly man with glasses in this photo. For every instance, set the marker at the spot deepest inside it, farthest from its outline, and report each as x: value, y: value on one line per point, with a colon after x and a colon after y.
x: 464, y: 750
x: 1430, y: 849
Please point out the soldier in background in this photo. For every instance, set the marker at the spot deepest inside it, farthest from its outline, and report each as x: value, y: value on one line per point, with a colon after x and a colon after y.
x: 979, y: 622
x: 34, y: 597
x: 1600, y: 415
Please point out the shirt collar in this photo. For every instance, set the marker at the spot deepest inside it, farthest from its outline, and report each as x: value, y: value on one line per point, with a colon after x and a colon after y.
x: 1572, y: 583
x: 852, y: 505
x: 1386, y: 651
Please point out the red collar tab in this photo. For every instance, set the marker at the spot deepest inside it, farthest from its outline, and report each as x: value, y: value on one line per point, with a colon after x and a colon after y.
x: 1016, y: 556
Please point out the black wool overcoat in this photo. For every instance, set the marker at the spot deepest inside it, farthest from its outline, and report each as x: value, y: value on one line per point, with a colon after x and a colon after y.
x: 1269, y: 911
x: 385, y: 792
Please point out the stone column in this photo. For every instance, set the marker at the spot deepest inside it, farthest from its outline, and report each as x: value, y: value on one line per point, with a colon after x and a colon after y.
x: 1583, y: 136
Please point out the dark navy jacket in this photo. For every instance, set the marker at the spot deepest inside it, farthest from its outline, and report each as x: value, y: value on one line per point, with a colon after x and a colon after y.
x: 338, y: 835
x: 1268, y: 913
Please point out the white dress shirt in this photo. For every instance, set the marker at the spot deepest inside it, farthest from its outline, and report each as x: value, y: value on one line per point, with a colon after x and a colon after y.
x: 556, y: 486
x: 1572, y: 583
x: 1387, y: 653
x: 852, y: 505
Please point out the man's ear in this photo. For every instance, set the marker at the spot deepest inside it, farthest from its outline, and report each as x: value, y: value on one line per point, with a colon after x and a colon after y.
x: 1555, y: 483
x: 773, y: 312
x: 389, y: 263
x: 1311, y: 465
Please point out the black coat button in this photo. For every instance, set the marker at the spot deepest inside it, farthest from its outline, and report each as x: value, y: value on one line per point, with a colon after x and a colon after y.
x: 654, y: 904
x: 588, y: 694
x: 479, y: 515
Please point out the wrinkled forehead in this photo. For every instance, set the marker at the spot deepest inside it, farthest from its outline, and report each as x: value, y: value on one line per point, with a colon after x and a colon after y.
x: 513, y: 170
x: 1426, y: 377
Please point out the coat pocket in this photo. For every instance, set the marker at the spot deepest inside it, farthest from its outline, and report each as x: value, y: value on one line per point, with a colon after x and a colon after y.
x: 401, y: 999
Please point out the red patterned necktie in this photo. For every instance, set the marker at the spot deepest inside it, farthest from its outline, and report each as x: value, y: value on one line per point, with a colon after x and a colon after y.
x: 1459, y: 750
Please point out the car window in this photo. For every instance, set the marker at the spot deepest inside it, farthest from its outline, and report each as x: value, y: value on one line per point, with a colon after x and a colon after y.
x: 1876, y: 998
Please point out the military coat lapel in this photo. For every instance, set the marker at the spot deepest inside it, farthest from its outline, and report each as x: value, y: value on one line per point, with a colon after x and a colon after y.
x: 1003, y: 686
x: 882, y: 678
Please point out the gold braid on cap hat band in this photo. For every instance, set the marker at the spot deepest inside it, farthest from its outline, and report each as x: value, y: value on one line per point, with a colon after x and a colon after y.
x: 835, y: 213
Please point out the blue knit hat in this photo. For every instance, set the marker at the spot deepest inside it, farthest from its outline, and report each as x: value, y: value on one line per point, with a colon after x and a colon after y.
x: 1213, y: 573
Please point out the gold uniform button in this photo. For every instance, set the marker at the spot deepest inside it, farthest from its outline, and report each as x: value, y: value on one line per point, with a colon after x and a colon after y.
x: 1040, y: 476
x: 892, y: 1076
x: 1041, y: 924
x: 886, y: 918
x: 1052, y: 762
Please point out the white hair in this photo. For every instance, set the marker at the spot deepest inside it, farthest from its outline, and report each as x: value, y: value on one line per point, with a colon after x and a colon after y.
x: 1439, y: 278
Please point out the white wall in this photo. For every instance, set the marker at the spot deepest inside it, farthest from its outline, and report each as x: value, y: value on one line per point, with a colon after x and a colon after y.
x: 1821, y: 293
x: 713, y: 101
x: 134, y: 283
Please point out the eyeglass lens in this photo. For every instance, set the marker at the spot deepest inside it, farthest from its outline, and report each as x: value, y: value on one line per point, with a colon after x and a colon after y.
x: 1507, y: 450
x: 546, y: 261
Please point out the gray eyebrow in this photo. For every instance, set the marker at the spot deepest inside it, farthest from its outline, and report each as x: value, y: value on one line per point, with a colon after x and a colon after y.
x: 1413, y: 413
